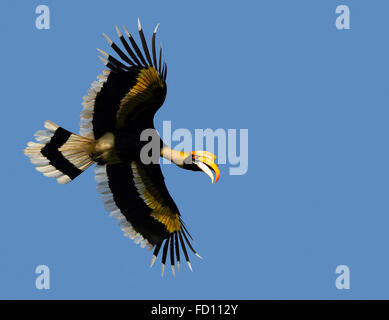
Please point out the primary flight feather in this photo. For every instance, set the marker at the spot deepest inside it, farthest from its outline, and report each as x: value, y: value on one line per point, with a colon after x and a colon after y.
x: 120, y: 105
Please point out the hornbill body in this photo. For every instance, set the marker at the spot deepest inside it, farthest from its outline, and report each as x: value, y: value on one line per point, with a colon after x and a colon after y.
x: 120, y: 105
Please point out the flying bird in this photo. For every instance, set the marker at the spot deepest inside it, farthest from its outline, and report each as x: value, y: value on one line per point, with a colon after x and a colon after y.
x: 119, y: 106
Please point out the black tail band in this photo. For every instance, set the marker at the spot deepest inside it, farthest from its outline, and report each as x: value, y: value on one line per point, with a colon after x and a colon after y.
x: 57, y: 160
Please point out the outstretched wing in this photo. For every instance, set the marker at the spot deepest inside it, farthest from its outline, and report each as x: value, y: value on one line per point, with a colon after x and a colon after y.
x: 131, y: 90
x: 137, y: 196
x: 127, y: 94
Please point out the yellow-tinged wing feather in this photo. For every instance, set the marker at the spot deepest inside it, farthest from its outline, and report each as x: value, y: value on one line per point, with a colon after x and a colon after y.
x: 144, y: 91
x: 154, y: 200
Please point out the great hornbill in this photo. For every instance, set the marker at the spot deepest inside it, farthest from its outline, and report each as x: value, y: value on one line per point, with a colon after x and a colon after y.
x: 120, y: 105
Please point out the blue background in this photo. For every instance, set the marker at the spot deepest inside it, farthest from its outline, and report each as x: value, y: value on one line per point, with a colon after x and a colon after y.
x: 316, y: 194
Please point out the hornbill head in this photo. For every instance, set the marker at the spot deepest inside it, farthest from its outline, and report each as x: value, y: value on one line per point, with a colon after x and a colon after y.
x: 204, y: 161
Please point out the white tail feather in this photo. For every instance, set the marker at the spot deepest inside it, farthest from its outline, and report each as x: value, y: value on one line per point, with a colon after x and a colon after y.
x: 76, y: 150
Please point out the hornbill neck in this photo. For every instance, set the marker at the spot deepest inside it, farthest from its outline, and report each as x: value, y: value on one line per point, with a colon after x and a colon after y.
x: 174, y: 156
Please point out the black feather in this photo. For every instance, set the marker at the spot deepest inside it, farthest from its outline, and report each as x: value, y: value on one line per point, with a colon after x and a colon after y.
x: 145, y: 48
x: 188, y: 242
x: 157, y: 248
x: 160, y: 58
x: 183, y: 247
x: 164, y: 254
x: 137, y: 50
x: 128, y: 49
x: 117, y: 63
x: 172, y: 250
x: 177, y: 248
x: 154, y: 53
x: 121, y: 53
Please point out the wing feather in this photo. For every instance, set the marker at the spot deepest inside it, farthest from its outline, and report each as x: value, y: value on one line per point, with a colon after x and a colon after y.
x: 134, y: 193
x: 137, y: 196
x: 133, y: 88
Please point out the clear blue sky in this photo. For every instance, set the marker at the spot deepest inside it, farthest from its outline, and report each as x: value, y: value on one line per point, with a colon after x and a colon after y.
x: 315, y: 101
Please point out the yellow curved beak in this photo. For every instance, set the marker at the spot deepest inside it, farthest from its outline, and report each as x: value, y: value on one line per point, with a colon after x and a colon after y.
x: 205, y: 160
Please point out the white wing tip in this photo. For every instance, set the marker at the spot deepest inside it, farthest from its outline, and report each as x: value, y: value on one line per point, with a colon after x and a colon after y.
x: 103, y: 60
x: 126, y: 31
x: 139, y: 25
x: 153, y: 261
x: 108, y: 39
x: 103, y: 52
x: 118, y: 31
